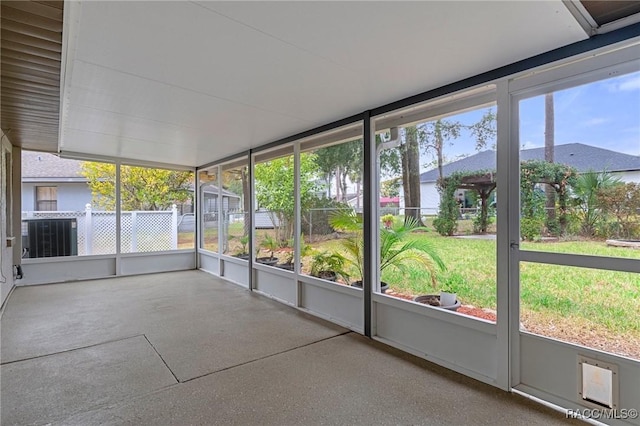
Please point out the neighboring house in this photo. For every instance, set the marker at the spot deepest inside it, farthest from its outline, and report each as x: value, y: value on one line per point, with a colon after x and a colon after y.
x: 579, y: 156
x: 51, y: 183
x: 230, y: 201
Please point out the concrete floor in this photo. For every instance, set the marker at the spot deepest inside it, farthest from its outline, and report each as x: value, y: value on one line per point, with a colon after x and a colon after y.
x: 188, y: 348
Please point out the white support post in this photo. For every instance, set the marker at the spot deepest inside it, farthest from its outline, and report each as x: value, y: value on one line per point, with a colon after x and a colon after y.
x: 88, y: 230
x: 174, y: 227
x: 134, y: 232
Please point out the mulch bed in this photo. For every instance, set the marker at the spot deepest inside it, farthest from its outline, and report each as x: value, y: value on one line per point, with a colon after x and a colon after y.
x: 563, y: 329
x: 485, y: 314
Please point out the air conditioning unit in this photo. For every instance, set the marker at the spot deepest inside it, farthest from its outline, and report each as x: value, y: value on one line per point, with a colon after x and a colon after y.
x: 52, y: 237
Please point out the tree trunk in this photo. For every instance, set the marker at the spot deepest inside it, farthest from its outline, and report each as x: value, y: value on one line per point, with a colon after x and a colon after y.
x: 246, y: 200
x: 438, y: 145
x: 412, y: 204
x: 549, y: 147
x: 406, y: 187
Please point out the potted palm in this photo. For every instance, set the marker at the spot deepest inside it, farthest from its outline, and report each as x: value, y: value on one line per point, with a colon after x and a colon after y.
x: 243, y: 254
x: 397, y: 251
x: 329, y: 266
x: 271, y: 245
x: 305, y: 250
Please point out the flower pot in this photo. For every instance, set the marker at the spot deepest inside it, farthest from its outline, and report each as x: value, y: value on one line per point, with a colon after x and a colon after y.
x: 383, y: 286
x: 287, y: 266
x: 327, y: 275
x: 434, y: 300
x: 447, y: 299
x: 243, y: 256
x: 269, y: 261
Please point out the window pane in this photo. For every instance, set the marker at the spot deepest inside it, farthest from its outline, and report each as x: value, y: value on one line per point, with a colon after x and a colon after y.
x: 275, y: 209
x: 580, y: 169
x: 209, y: 195
x: 235, y: 209
x: 590, y: 307
x: 157, y: 209
x: 437, y: 212
x: 331, y: 200
x: 73, y: 213
x: 46, y: 198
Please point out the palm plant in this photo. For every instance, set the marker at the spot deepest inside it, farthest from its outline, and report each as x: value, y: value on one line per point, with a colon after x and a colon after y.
x: 586, y: 189
x: 396, y: 250
x: 270, y: 244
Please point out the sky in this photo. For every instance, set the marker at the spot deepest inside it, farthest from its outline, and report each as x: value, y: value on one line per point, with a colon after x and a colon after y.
x: 605, y: 114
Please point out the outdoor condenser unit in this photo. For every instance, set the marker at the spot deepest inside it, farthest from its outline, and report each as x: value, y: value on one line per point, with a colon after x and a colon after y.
x: 52, y: 237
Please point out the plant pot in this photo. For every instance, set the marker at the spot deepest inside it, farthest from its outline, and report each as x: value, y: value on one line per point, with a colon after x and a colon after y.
x: 287, y: 266
x: 447, y: 298
x: 269, y: 261
x: 383, y: 286
x: 243, y: 256
x: 327, y: 275
x: 434, y: 300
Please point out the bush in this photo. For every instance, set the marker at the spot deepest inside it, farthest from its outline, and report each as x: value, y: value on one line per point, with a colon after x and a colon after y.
x: 531, y: 228
x: 446, y: 226
x: 478, y: 222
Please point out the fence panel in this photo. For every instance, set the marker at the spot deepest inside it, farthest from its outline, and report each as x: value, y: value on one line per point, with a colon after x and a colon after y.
x: 141, y: 231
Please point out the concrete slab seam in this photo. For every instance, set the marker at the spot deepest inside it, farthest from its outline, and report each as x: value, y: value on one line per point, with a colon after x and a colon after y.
x: 72, y: 349
x: 162, y: 359
x: 267, y: 356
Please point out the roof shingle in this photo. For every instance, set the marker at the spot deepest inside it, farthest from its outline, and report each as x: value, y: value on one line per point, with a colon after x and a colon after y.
x: 580, y: 156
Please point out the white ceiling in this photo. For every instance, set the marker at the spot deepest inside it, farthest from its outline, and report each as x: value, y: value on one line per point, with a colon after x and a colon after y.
x: 187, y: 83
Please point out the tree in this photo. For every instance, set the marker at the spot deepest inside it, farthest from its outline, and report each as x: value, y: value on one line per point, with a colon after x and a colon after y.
x: 410, y: 150
x: 236, y: 180
x: 433, y: 136
x: 141, y: 188
x: 274, y: 190
x: 549, y: 148
x: 390, y: 188
x: 341, y: 162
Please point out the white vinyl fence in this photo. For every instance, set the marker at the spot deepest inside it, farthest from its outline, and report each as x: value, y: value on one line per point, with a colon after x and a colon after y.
x: 141, y: 231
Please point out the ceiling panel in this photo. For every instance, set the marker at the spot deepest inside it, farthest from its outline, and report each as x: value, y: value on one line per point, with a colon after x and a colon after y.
x: 31, y: 39
x: 607, y: 11
x: 206, y: 80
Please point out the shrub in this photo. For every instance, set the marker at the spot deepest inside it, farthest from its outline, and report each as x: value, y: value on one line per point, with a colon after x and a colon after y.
x: 623, y: 202
x: 531, y: 228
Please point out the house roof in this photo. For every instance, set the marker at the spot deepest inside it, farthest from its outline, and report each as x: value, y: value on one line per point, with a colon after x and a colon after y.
x: 579, y: 156
x: 45, y: 167
x: 212, y: 189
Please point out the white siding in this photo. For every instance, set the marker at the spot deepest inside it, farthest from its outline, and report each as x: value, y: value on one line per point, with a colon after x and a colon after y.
x: 71, y: 196
x: 429, y: 198
x: 633, y: 176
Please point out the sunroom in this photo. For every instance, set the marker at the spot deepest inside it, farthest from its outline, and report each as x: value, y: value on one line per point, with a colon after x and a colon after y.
x: 280, y: 147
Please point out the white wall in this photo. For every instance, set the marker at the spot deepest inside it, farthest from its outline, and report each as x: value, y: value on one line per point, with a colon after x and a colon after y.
x: 629, y: 176
x: 28, y: 197
x: 72, y: 196
x: 6, y: 250
x: 429, y: 198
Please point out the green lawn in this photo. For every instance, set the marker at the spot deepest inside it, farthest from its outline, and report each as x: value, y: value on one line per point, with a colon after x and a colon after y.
x: 605, y: 299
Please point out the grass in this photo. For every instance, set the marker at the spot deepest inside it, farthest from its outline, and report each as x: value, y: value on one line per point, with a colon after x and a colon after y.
x: 598, y: 299
x: 592, y: 298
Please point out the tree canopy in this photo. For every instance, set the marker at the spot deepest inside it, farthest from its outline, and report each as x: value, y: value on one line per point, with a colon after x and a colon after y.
x: 141, y: 188
x: 274, y: 189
